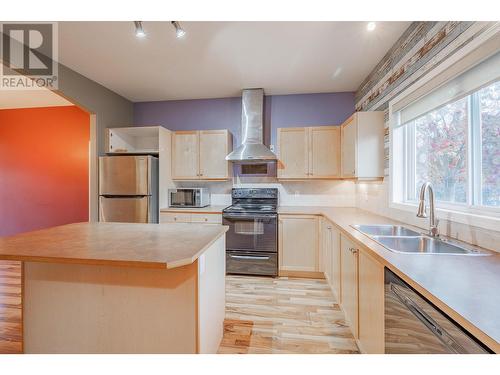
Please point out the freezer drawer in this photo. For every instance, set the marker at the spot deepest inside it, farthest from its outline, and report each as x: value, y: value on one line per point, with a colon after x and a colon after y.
x: 126, y: 175
x: 245, y: 263
x: 127, y: 210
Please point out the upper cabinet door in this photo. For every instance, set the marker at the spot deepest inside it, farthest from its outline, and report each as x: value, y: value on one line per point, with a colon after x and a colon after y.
x: 349, y: 147
x: 185, y: 155
x: 214, y: 147
x: 293, y: 153
x: 324, y: 146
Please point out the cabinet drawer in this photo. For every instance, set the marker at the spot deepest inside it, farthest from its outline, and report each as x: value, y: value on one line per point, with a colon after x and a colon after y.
x: 243, y: 263
x: 174, y: 217
x: 207, y: 218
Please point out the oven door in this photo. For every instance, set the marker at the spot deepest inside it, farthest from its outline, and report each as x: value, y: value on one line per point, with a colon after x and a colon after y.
x: 251, y: 232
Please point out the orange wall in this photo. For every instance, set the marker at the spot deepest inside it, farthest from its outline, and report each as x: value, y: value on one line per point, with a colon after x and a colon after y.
x: 43, y: 168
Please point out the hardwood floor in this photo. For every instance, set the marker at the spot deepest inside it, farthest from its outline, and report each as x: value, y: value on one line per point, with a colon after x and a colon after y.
x: 283, y: 315
x: 10, y: 308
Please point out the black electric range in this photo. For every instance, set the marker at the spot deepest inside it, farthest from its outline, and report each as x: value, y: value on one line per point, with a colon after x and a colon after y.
x: 252, y: 239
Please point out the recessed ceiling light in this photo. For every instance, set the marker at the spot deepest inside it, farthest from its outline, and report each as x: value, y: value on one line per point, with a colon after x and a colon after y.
x: 179, y: 31
x: 371, y: 26
x: 139, y: 31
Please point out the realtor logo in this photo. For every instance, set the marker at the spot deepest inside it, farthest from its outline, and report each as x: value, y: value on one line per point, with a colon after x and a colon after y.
x: 29, y: 56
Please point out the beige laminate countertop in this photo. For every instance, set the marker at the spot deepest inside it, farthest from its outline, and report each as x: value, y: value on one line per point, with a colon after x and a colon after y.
x: 467, y: 288
x: 121, y: 244
x: 202, y: 210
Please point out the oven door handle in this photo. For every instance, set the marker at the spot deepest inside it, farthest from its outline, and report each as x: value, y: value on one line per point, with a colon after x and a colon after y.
x: 249, y: 216
x: 248, y: 257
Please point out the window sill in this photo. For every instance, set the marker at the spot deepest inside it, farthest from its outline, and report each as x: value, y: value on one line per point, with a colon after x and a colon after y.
x: 483, y: 220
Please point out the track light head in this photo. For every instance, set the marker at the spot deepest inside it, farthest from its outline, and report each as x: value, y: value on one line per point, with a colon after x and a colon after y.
x: 139, y: 30
x: 179, y: 31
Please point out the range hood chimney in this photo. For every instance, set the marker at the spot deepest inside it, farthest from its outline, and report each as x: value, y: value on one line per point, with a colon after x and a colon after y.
x: 252, y: 148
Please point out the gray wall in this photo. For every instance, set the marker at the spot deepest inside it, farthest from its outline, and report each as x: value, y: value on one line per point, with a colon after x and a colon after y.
x: 111, y: 109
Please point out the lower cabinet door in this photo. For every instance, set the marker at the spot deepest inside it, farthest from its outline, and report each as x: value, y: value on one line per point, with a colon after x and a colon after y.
x: 349, y: 283
x: 299, y: 243
x: 371, y: 305
x: 244, y: 263
x: 336, y: 266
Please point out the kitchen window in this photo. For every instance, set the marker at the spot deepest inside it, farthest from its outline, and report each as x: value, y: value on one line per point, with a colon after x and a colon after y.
x: 451, y: 138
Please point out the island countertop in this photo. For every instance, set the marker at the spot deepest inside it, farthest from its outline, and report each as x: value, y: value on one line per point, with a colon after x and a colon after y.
x: 120, y: 244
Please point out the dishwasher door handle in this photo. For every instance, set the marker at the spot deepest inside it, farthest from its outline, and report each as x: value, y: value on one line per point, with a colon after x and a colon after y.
x: 430, y: 323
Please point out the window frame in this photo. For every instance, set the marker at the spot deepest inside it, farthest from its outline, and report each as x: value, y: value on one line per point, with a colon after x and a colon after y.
x: 473, y: 162
x: 486, y: 217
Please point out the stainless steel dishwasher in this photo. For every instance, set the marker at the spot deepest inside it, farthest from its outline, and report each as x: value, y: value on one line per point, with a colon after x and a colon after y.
x: 413, y: 325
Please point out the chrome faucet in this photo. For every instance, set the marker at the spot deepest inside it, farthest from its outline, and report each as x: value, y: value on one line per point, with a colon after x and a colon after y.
x: 433, y: 222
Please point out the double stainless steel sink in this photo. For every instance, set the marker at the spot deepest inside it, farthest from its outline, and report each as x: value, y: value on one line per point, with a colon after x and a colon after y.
x: 400, y: 239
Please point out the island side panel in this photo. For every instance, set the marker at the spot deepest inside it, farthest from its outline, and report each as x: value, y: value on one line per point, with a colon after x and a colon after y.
x: 211, y: 297
x: 72, y: 308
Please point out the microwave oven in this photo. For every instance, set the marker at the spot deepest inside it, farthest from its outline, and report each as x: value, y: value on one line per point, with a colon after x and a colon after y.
x: 188, y: 197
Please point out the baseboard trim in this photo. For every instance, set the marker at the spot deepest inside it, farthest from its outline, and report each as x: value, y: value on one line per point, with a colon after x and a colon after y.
x: 304, y: 274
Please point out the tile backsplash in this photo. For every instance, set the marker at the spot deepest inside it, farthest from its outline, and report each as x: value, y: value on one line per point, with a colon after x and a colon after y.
x: 299, y: 193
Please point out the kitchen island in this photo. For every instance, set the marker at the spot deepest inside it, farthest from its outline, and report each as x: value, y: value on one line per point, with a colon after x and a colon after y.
x: 121, y: 288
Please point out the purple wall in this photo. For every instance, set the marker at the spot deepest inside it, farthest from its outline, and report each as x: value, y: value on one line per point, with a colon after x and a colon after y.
x: 280, y: 111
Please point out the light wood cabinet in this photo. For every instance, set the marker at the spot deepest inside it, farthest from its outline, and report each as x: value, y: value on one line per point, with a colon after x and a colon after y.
x: 325, y: 264
x: 336, y: 265
x: 179, y: 217
x: 133, y: 140
x: 293, y: 153
x: 371, y: 304
x: 363, y: 146
x: 324, y: 152
x: 185, y: 155
x: 201, y: 155
x: 215, y: 145
x: 349, y: 282
x: 298, y: 244
x: 309, y: 153
x: 330, y: 256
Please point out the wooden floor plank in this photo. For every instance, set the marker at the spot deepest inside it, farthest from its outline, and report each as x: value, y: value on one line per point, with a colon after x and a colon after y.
x: 10, y: 307
x: 283, y: 316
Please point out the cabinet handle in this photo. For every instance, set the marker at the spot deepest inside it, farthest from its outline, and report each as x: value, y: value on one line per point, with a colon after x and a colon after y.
x: 206, y: 219
x: 329, y: 228
x: 175, y: 219
x: 353, y: 250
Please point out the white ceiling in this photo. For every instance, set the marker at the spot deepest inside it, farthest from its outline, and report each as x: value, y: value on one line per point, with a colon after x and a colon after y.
x: 10, y: 99
x: 218, y: 59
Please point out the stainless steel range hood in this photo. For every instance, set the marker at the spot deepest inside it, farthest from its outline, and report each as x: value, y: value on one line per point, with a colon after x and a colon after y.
x: 252, y: 148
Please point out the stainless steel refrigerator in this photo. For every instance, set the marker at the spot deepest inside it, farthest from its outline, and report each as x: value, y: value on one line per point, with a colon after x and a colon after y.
x: 128, y: 189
